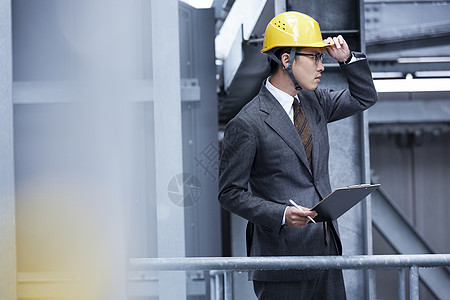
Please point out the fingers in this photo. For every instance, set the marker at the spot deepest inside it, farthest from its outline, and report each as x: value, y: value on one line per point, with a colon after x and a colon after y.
x: 339, y: 49
x: 337, y: 41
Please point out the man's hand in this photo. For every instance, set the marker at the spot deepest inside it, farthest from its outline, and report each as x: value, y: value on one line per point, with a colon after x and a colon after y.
x: 297, y: 218
x: 339, y: 49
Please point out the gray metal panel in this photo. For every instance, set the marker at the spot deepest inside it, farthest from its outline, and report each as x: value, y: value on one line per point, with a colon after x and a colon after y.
x: 403, y: 237
x: 331, y: 15
x: 432, y: 190
x: 7, y: 196
x: 200, y: 127
x: 200, y: 142
x: 414, y: 172
x: 391, y: 162
x: 391, y: 24
x: 407, y: 29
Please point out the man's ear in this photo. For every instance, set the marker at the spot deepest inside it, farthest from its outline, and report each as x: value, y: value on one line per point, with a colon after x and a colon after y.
x: 285, y: 59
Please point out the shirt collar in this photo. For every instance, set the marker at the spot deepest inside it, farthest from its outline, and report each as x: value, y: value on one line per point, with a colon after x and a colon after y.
x: 282, y: 97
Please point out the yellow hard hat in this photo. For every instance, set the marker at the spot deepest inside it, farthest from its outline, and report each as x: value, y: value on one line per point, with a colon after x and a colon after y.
x: 292, y: 29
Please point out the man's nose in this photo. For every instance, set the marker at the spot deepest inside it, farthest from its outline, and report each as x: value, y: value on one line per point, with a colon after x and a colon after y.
x: 320, y: 66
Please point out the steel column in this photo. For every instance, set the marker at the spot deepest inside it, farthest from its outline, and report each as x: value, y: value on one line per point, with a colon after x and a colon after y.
x: 280, y: 6
x: 168, y: 141
x: 7, y: 195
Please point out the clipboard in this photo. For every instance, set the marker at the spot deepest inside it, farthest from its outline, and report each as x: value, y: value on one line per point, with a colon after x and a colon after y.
x: 341, y: 200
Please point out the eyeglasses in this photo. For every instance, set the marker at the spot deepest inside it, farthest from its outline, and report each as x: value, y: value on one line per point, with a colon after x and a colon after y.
x: 317, y: 57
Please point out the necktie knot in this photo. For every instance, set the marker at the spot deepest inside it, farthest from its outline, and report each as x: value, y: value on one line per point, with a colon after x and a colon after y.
x: 296, y: 106
x: 296, y: 103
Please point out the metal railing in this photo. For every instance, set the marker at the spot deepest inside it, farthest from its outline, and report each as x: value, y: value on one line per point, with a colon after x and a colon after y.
x: 222, y: 267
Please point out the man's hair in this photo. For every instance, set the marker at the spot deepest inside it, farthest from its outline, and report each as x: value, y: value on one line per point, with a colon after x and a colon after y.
x: 278, y: 51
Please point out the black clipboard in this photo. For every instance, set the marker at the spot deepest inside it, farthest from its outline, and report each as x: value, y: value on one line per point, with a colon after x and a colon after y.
x: 341, y: 200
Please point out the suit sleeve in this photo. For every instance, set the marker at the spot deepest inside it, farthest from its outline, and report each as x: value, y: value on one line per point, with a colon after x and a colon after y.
x: 238, y: 153
x: 360, y: 94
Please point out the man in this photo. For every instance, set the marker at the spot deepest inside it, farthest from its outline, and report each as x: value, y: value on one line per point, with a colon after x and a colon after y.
x: 276, y: 149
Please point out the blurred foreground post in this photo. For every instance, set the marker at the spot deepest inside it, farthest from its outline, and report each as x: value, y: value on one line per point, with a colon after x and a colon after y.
x: 7, y: 205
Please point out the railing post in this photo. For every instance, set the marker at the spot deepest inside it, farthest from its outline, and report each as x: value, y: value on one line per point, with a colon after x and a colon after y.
x: 212, y: 285
x: 219, y: 286
x: 228, y: 280
x: 401, y: 284
x: 414, y: 283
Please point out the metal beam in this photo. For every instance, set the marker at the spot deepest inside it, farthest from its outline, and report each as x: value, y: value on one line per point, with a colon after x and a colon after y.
x: 7, y: 194
x: 34, y: 92
x: 415, y: 111
x: 417, y: 35
x: 382, y: 62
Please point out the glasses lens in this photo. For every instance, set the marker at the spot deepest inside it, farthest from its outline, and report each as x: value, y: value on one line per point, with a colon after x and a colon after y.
x: 318, y: 57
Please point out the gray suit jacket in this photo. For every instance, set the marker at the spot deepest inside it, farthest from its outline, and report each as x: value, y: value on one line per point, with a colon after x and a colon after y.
x: 263, y: 165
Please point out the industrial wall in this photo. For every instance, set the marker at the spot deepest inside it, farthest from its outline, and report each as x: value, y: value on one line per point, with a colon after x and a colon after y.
x: 413, y: 170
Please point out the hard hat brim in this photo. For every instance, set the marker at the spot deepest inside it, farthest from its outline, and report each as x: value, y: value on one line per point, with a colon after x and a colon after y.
x: 320, y: 44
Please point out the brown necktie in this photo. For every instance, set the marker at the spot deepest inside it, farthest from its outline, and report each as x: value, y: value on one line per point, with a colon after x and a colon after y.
x: 302, y: 126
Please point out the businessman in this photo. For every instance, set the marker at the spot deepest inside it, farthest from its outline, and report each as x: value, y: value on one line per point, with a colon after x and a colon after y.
x: 276, y: 149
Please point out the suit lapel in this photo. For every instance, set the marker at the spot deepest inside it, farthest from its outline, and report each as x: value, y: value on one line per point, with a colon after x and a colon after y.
x: 279, y: 121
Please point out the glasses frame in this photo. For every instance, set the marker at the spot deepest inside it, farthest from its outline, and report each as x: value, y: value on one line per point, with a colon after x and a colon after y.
x: 317, y: 57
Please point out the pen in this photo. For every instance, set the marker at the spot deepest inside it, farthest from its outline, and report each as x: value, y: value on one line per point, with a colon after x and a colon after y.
x: 298, y: 207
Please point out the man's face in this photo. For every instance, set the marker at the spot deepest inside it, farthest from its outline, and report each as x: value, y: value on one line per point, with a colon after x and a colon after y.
x: 306, y: 71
